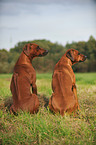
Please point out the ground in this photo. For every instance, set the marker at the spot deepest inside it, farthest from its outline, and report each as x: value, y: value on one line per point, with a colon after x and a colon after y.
x: 46, y: 128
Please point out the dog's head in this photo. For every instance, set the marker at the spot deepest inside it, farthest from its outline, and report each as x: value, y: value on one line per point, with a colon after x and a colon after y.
x: 75, y: 56
x: 33, y: 50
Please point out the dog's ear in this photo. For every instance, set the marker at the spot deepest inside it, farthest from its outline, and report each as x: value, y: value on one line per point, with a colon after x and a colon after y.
x: 26, y: 49
x: 70, y: 55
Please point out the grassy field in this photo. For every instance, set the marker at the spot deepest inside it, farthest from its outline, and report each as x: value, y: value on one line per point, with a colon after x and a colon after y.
x: 45, y: 128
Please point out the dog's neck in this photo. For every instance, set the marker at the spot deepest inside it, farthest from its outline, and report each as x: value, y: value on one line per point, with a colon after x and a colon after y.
x: 65, y: 59
x: 23, y: 59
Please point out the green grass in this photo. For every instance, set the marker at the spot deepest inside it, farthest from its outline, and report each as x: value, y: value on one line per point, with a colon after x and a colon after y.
x: 86, y: 78
x: 45, y: 128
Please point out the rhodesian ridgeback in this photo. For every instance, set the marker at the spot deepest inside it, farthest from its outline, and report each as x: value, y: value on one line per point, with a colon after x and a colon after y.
x: 23, y: 78
x: 64, y: 96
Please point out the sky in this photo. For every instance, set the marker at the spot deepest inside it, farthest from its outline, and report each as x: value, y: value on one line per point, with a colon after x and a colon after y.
x: 62, y: 21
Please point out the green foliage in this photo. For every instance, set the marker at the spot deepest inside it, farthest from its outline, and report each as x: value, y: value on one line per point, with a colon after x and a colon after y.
x: 45, y: 128
x: 56, y: 51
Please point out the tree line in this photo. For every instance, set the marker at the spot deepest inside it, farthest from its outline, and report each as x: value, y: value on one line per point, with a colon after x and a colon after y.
x: 56, y: 51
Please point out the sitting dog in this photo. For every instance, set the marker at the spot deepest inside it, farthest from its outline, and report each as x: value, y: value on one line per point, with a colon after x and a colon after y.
x: 64, y: 96
x: 23, y: 78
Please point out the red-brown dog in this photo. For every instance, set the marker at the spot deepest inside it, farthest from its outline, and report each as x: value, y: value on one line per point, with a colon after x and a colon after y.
x: 23, y: 78
x: 64, y: 96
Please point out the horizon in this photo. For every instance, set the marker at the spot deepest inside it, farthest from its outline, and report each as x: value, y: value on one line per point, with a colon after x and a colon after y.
x: 49, y: 41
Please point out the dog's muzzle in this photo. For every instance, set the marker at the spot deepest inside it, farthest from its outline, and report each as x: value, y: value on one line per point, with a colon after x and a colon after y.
x: 83, y: 59
x: 44, y: 53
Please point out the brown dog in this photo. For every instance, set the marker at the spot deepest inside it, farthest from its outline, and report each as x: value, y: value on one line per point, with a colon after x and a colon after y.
x: 64, y: 96
x: 23, y: 78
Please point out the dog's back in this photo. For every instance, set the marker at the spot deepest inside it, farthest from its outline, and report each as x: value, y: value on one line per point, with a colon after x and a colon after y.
x: 24, y: 78
x: 20, y: 84
x: 64, y: 96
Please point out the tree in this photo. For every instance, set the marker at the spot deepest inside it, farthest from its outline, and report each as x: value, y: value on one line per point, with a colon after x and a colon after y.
x: 56, y: 51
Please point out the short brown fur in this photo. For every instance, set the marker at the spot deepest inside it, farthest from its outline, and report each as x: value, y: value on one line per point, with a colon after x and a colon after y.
x: 23, y: 78
x: 64, y: 96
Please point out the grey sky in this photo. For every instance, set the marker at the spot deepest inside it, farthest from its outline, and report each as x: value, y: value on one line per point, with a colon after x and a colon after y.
x: 55, y: 20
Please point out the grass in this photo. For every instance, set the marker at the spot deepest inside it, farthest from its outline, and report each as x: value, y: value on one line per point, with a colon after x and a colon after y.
x: 45, y: 128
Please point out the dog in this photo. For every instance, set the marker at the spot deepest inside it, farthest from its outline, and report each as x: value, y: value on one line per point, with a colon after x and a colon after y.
x: 24, y: 77
x: 64, y: 96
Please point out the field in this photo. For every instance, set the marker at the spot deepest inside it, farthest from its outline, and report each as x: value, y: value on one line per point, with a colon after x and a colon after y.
x: 45, y: 128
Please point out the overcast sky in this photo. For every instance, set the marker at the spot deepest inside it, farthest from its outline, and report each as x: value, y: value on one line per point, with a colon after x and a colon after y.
x: 59, y: 21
